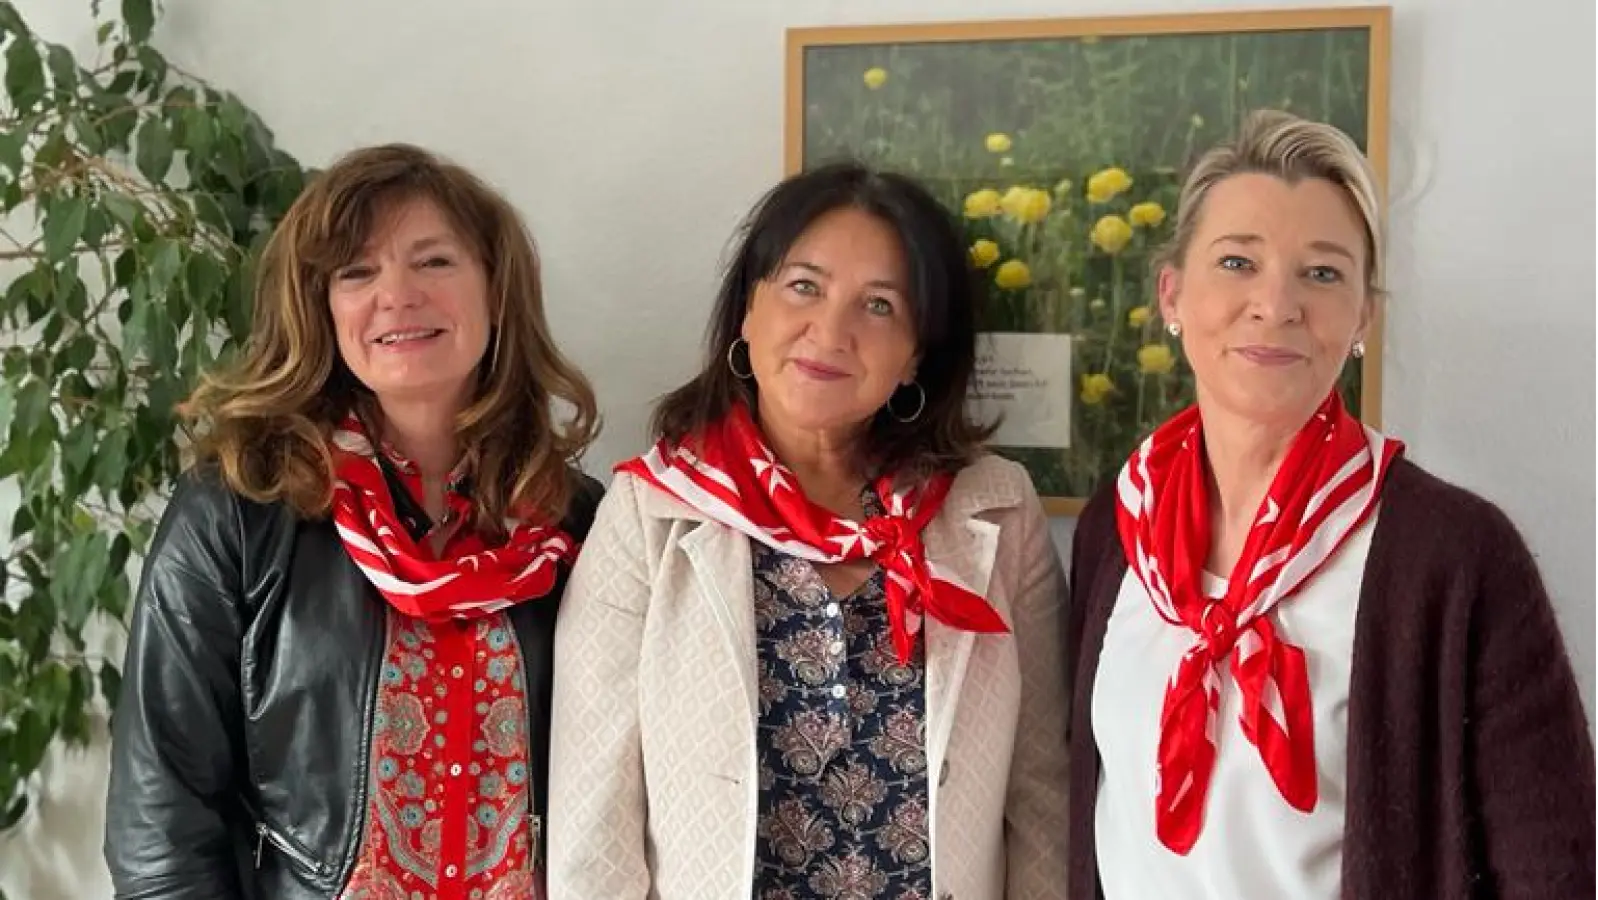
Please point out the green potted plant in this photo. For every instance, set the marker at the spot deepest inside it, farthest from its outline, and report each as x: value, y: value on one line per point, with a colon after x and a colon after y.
x: 134, y: 200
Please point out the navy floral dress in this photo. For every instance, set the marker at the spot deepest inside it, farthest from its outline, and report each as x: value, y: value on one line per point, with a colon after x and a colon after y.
x: 844, y: 796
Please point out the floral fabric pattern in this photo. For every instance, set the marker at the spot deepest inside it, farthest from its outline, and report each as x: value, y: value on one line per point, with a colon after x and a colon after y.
x: 844, y: 794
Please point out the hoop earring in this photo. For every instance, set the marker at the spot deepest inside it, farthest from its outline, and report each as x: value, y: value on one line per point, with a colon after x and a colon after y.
x: 921, y: 405
x: 1359, y: 350
x: 732, y: 348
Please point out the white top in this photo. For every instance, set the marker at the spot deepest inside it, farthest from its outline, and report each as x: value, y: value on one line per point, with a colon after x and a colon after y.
x: 1253, y: 844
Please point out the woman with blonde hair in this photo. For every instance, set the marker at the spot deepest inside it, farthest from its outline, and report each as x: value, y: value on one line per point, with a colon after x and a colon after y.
x: 1302, y: 666
x: 338, y: 673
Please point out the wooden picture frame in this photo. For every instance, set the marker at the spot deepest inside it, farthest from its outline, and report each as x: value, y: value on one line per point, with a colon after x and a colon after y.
x: 1061, y: 143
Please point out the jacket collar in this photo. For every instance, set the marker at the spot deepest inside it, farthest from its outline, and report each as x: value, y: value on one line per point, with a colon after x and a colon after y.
x: 958, y: 539
x: 977, y: 489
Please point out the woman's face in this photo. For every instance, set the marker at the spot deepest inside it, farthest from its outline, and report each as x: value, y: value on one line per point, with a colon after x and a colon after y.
x: 411, y: 312
x: 831, y: 333
x: 1271, y: 296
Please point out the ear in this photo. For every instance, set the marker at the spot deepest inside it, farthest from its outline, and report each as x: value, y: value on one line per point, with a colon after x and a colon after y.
x: 750, y: 299
x: 1367, y: 314
x: 910, y: 370
x: 1168, y: 286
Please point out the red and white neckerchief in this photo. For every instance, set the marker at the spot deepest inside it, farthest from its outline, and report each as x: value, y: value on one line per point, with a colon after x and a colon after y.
x: 1326, y: 487
x: 732, y: 477
x: 477, y: 580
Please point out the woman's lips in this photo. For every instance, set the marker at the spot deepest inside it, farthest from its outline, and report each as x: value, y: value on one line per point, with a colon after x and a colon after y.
x: 819, y: 371
x: 1264, y: 355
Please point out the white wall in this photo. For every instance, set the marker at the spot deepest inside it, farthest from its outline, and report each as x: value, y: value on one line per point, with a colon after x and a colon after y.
x: 633, y: 138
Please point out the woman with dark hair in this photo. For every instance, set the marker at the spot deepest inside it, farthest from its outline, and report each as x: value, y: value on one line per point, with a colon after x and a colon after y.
x: 813, y: 646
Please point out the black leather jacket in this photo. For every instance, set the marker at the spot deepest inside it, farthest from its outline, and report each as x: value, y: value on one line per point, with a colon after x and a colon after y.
x: 240, y: 740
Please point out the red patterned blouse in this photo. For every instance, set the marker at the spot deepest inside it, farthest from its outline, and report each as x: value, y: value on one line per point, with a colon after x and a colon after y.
x: 449, y: 811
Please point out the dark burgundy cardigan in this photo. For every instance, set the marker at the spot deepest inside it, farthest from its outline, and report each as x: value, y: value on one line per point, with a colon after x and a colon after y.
x: 1470, y: 766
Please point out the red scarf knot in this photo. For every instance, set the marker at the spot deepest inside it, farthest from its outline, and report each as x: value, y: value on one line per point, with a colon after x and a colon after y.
x: 734, y: 478
x: 889, y: 537
x: 1219, y: 630
x: 1327, y: 486
x: 472, y: 579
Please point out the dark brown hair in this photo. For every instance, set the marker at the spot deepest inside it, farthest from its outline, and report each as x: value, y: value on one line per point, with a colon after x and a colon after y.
x: 942, y: 294
x: 266, y: 419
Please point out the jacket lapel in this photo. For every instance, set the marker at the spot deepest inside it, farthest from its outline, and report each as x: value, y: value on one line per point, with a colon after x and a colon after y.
x: 966, y: 545
x: 723, y: 570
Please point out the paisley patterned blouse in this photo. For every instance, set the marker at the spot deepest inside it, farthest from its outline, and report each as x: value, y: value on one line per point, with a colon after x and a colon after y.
x: 448, y: 806
x: 843, y: 783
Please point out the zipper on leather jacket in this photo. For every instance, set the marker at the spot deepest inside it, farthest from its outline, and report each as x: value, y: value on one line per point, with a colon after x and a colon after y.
x: 265, y: 834
x: 538, y: 841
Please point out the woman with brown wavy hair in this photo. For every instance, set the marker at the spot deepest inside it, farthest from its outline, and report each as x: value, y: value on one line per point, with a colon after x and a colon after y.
x: 338, y: 673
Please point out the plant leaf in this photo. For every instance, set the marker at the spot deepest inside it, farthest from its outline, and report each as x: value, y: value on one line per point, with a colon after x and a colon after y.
x: 11, y: 141
x: 140, y: 18
x: 162, y: 266
x: 152, y: 70
x: 111, y: 463
x: 33, y: 404
x: 12, y: 816
x: 24, y: 74
x: 154, y: 149
x: 122, y: 207
x: 63, y: 68
x: 76, y: 581
x: 11, y: 23
x: 110, y: 683
x: 63, y: 226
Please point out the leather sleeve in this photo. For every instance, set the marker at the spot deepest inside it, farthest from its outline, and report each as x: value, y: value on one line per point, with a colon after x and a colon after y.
x: 177, y: 743
x: 584, y: 503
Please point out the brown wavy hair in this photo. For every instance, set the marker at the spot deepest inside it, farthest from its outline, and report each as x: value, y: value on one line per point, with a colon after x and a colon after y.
x: 265, y: 420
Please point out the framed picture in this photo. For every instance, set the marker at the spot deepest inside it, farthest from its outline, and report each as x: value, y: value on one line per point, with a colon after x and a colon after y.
x: 1061, y: 145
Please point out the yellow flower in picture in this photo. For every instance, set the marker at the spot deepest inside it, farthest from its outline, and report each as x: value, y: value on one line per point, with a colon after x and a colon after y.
x: 984, y: 253
x: 1111, y: 234
x: 1063, y: 188
x: 1107, y: 184
x: 982, y: 204
x: 1013, y: 275
x: 1155, y: 359
x: 1025, y: 205
x: 1148, y: 214
x: 998, y: 142
x: 875, y: 77
x: 1095, y: 387
x: 1138, y: 316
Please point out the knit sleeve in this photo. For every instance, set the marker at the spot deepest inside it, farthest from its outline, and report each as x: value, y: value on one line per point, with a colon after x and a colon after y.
x: 1530, y: 750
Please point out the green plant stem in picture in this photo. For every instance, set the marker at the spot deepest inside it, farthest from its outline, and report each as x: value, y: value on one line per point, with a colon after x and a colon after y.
x: 141, y: 197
